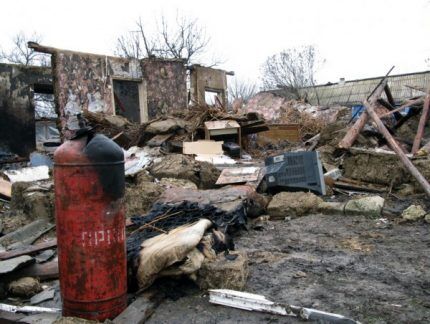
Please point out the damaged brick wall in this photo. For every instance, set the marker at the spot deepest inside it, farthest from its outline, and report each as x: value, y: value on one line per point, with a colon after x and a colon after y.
x: 166, y: 86
x: 17, y: 121
x: 208, y: 79
x: 84, y: 82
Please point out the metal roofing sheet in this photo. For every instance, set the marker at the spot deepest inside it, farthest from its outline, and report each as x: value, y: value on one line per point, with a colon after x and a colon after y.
x: 356, y: 91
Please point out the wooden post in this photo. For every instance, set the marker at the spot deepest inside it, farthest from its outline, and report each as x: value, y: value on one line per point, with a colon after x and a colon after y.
x: 389, y: 95
x: 355, y: 130
x: 421, y: 125
x: 393, y: 144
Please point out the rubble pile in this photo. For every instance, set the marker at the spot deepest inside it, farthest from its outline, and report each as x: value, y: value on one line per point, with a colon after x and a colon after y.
x: 186, y: 204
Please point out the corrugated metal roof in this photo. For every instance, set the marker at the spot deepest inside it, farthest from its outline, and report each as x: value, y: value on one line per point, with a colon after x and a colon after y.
x: 355, y: 92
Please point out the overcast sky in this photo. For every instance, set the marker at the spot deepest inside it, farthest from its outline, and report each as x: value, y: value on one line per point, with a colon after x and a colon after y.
x: 358, y: 39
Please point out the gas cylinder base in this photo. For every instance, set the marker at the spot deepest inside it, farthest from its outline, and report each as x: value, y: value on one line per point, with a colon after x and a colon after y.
x: 98, y: 310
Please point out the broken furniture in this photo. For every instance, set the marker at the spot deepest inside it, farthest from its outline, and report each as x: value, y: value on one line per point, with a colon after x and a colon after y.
x: 225, y: 130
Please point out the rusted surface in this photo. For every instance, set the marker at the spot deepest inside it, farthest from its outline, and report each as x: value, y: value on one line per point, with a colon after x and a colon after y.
x: 166, y: 86
x: 17, y: 123
x: 90, y: 228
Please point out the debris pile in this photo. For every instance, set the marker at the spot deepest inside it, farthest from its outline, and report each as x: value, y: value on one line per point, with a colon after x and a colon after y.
x: 197, y: 178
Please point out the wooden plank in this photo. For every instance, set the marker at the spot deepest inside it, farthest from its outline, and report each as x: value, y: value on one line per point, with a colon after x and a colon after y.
x: 28, y: 249
x: 393, y: 144
x: 221, y: 124
x: 203, y: 147
x: 280, y: 132
x: 159, y: 139
x: 5, y: 189
x: 43, y: 271
x: 405, y: 105
x: 421, y: 125
x: 355, y: 130
x: 389, y: 95
x: 141, y: 309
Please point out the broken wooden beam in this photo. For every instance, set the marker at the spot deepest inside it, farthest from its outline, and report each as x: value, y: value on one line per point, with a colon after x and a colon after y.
x: 141, y: 309
x: 41, y: 49
x: 355, y: 130
x: 389, y: 95
x: 421, y: 125
x: 43, y: 271
x: 405, y: 105
x: 28, y: 249
x: 393, y: 144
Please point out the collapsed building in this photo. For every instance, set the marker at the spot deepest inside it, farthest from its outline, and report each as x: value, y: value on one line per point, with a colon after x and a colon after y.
x: 324, y: 201
x: 139, y: 90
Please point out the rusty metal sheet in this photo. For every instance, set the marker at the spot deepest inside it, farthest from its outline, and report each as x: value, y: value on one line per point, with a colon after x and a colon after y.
x: 238, y: 175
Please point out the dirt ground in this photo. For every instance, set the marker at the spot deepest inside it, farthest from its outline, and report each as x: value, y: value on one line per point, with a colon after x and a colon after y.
x: 367, y: 269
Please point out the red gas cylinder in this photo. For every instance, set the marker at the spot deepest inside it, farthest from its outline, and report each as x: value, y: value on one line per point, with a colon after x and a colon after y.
x: 89, y: 208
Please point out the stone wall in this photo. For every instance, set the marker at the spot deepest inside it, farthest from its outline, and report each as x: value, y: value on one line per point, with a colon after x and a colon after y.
x: 166, y: 82
x: 17, y: 121
x: 208, y: 79
x: 84, y: 82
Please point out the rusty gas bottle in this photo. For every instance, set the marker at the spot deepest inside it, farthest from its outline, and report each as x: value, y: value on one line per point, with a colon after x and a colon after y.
x: 89, y: 209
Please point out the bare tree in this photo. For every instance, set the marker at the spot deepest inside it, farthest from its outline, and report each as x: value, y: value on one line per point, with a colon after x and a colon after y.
x: 291, y: 69
x: 20, y: 53
x: 136, y: 44
x: 185, y: 39
x: 240, y: 89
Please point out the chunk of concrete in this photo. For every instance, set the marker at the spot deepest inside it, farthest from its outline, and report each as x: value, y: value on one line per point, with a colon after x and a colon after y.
x: 367, y: 206
x: 25, y: 287
x: 10, y: 265
x: 139, y: 198
x: 228, y: 272
x: 165, y: 126
x: 39, y: 205
x: 413, y: 213
x: 331, y: 208
x: 293, y: 204
x: 172, y: 182
x: 179, y: 166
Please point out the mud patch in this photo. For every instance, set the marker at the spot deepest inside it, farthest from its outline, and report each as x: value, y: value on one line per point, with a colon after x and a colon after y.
x: 388, y: 284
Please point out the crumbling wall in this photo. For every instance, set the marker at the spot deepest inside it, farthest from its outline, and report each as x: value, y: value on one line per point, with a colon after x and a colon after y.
x: 166, y: 84
x: 17, y: 120
x: 382, y: 168
x: 207, y: 79
x: 84, y: 82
